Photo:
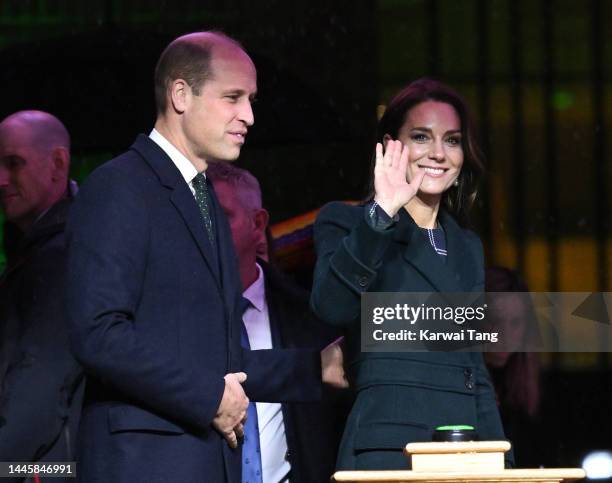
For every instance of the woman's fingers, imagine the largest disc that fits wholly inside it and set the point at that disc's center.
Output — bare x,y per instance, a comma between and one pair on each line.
392,153
379,156
417,180
392,159
402,163
389,150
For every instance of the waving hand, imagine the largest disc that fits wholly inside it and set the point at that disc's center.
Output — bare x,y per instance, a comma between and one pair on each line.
392,189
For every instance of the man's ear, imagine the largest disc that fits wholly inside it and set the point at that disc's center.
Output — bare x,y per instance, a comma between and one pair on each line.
386,139
60,163
179,95
261,219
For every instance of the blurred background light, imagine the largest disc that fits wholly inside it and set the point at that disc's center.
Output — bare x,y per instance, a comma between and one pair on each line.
598,465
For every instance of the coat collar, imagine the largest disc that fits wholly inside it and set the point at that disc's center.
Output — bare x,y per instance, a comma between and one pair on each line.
181,197
458,273
160,162
52,222
49,225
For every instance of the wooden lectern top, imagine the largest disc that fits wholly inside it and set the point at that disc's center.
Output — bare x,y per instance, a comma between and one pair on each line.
541,475
457,447
461,462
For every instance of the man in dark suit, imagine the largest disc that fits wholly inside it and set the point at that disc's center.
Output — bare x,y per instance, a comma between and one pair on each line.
154,291
298,440
41,384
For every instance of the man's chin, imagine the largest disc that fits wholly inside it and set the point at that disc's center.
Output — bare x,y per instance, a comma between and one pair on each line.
226,158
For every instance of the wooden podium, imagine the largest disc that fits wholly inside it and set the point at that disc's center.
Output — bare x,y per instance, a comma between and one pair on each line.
460,462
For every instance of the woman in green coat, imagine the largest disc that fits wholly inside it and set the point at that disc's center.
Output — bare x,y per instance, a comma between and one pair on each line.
408,237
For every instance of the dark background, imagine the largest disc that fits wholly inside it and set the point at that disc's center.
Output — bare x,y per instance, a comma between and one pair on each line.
537,74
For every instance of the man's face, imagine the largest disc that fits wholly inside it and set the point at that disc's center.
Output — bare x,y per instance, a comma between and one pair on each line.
246,233
216,121
26,185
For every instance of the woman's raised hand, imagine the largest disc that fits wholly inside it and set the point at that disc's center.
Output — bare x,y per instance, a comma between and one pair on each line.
392,190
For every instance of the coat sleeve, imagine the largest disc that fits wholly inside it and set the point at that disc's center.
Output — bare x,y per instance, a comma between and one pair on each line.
283,375
349,255
42,376
108,235
300,334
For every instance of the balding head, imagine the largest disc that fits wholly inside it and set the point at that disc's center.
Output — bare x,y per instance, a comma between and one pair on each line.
45,130
189,58
240,197
34,164
244,185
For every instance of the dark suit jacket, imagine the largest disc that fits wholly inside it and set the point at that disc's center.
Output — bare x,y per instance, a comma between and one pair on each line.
154,322
313,429
41,382
401,397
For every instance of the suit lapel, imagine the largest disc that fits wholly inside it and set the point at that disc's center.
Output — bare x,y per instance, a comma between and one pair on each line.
278,331
230,282
461,260
181,197
183,200
416,250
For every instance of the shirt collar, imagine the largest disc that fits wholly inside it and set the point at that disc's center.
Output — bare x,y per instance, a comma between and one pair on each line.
256,292
188,170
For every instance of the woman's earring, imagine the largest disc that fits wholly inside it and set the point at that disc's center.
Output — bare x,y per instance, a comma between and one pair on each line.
456,183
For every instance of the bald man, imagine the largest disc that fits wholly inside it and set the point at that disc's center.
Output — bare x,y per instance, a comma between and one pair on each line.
154,291
41,383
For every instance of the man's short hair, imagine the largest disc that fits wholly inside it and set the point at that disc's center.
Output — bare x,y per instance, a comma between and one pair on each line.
244,183
188,58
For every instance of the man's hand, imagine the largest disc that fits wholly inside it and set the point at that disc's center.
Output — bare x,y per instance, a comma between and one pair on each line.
332,365
232,411
392,189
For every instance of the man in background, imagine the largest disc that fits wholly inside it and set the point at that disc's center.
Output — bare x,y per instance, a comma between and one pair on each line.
41,384
299,441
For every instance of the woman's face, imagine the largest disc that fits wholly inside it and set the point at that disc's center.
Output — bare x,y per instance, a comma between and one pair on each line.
432,131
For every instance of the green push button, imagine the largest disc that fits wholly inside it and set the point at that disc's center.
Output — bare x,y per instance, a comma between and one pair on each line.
455,433
457,427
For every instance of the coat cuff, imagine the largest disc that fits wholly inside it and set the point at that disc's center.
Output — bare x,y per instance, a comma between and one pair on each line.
360,255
